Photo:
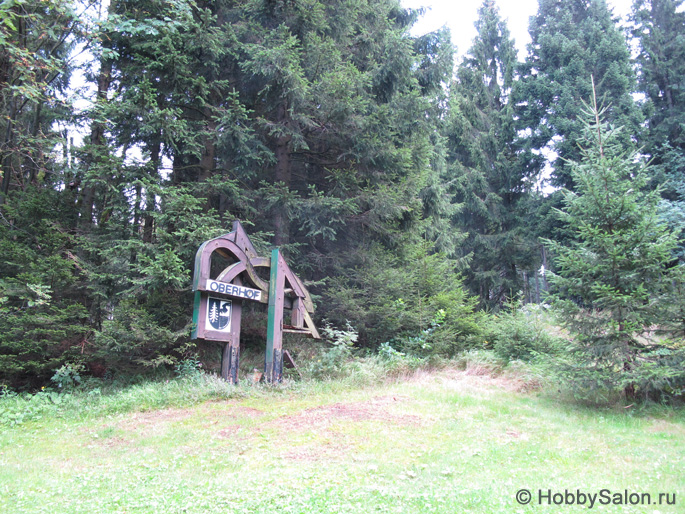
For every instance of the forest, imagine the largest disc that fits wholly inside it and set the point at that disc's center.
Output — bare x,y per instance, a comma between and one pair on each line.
429,203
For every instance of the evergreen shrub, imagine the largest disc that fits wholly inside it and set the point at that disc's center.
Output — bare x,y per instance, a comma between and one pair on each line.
521,333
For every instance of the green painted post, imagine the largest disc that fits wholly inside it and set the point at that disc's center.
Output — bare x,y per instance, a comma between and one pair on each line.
196,314
274,330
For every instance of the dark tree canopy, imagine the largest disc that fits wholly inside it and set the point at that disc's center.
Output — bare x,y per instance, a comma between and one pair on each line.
572,43
133,130
489,184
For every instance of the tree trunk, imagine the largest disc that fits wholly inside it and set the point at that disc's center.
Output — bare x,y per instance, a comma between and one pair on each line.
208,159
150,200
97,131
545,286
6,160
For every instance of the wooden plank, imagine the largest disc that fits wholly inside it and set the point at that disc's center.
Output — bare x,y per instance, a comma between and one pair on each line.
241,238
220,245
216,286
298,288
309,324
301,331
196,315
297,314
232,271
198,270
202,315
289,362
234,344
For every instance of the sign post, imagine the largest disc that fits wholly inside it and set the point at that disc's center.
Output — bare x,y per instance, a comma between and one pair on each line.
273,364
218,300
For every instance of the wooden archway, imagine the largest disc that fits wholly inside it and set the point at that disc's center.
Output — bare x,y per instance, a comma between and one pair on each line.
218,302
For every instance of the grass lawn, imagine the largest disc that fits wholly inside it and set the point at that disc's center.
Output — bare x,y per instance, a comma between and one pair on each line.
445,442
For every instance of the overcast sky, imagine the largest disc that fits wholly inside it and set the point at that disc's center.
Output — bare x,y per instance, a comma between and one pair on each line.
460,15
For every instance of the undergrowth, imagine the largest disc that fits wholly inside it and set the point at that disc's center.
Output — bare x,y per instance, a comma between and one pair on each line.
98,398
518,348
190,384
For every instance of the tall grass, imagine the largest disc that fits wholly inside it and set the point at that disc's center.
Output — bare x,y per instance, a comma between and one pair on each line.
97,397
323,369
106,399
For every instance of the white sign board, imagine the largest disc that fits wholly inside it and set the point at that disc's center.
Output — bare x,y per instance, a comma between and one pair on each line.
233,290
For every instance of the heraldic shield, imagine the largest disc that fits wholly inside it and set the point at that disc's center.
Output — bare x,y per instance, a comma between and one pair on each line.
219,314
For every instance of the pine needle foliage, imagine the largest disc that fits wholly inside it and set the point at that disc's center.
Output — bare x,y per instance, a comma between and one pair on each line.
614,274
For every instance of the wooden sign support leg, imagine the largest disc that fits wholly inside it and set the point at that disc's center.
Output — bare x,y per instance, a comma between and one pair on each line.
230,359
273,366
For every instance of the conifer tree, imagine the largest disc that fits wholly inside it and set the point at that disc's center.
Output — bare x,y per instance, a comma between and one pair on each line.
213,313
489,183
35,41
572,41
614,274
314,122
43,321
660,32
348,107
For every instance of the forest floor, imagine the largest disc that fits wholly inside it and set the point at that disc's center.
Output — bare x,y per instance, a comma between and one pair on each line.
449,441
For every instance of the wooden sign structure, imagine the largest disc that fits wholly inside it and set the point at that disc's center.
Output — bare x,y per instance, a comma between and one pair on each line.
218,300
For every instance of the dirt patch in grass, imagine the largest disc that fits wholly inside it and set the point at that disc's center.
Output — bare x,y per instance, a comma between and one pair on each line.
153,421
159,416
661,426
317,453
114,442
484,379
243,412
511,434
229,408
331,427
229,432
375,409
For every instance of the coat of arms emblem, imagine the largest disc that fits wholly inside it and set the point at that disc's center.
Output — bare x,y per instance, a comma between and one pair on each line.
219,314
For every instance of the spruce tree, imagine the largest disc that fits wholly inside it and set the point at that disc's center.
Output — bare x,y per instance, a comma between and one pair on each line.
660,32
489,185
348,107
613,276
43,318
314,122
35,41
659,27
572,41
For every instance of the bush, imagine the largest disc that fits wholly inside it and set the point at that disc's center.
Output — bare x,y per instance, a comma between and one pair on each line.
43,322
133,339
400,362
480,362
332,359
657,374
522,333
188,368
68,376
392,298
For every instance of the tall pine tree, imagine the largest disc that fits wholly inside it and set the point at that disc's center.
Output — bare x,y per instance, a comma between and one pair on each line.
571,42
615,271
660,33
489,185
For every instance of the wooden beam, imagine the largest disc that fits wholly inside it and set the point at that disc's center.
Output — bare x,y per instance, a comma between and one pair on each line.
231,355
273,365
